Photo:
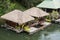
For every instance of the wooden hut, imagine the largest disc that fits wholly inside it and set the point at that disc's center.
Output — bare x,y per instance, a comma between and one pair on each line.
40,14
14,19
49,5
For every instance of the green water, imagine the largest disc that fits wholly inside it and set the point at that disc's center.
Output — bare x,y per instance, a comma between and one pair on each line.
50,33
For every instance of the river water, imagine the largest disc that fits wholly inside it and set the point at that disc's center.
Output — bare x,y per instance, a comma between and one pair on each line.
50,33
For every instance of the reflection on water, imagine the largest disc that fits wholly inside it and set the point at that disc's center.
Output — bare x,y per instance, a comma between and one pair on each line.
50,36
54,36
50,33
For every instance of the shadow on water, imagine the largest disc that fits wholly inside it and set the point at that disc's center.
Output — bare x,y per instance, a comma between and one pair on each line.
10,35
50,33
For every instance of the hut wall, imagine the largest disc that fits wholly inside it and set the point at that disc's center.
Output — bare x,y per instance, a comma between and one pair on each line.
13,24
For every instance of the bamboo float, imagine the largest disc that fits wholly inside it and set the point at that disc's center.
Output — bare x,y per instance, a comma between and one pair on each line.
46,24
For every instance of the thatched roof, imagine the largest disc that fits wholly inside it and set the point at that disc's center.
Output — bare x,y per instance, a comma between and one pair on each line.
36,12
17,16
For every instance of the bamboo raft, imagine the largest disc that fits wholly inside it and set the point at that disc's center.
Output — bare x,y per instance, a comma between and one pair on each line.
34,30
12,28
57,21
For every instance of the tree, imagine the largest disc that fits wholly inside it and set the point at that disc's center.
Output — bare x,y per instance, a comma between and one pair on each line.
3,6
29,3
6,6
54,15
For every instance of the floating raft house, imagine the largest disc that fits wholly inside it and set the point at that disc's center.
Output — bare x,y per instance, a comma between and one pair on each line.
36,12
14,19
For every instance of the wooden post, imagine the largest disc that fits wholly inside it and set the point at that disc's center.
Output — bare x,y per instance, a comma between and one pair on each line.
45,10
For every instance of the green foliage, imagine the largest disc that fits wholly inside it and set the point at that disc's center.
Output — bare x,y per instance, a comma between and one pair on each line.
30,3
54,14
7,5
11,7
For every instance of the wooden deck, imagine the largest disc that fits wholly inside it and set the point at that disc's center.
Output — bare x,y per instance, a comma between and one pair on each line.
34,30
